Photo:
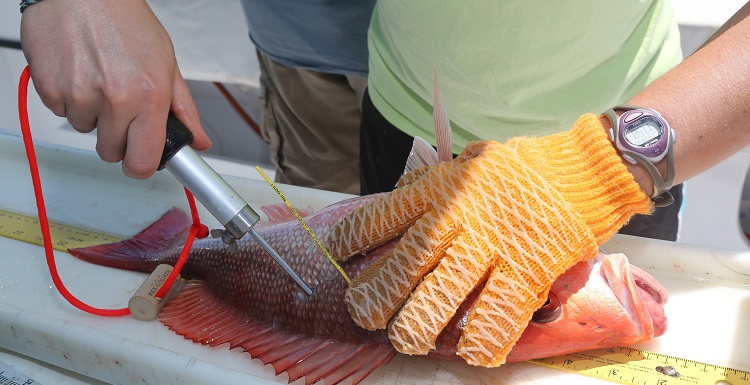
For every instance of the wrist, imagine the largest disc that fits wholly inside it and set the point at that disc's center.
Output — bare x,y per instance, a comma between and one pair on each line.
584,166
640,175
644,138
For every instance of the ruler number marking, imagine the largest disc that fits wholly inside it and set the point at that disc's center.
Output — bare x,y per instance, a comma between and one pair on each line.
26,229
638,367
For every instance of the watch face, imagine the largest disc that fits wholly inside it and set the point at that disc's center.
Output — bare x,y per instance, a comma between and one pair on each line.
644,132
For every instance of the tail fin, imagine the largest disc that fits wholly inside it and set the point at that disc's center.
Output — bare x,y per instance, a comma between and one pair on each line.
138,253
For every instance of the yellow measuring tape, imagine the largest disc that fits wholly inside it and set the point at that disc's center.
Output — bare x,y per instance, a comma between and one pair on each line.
299,218
26,229
639,367
619,365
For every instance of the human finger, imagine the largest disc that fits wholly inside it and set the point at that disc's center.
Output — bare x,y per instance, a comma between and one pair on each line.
82,109
112,131
145,144
386,217
377,293
434,302
184,108
49,92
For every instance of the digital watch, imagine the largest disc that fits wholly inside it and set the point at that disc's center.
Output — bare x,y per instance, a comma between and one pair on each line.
643,137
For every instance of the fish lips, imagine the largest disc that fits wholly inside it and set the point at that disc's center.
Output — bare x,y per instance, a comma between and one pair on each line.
639,293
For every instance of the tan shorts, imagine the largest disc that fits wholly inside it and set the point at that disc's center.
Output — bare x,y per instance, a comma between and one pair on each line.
311,121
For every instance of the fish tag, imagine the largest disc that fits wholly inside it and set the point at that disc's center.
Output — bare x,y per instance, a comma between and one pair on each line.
144,305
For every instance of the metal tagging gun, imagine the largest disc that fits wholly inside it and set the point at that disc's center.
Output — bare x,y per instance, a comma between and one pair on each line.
214,193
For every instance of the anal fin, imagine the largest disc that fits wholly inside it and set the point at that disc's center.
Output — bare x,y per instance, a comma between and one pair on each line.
197,315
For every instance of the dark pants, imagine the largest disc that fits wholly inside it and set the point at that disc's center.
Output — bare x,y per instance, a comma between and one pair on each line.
384,149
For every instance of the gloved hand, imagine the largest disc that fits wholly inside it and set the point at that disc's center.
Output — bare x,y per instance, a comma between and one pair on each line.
512,217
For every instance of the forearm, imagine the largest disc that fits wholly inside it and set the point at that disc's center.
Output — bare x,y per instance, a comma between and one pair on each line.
706,99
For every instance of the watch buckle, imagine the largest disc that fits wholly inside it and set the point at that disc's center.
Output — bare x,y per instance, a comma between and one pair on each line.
663,200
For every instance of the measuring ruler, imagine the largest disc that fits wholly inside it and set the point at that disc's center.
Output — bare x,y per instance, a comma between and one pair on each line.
26,229
10,376
639,367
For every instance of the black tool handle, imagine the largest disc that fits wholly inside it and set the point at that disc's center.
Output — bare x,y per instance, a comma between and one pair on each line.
177,136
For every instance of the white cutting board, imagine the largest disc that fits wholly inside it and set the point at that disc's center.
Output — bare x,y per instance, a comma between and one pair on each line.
708,311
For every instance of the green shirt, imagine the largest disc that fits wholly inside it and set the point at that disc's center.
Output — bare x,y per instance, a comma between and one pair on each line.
514,67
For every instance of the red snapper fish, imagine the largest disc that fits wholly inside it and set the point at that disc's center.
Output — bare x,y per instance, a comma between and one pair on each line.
245,299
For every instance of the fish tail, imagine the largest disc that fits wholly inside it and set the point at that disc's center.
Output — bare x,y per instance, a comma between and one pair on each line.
145,250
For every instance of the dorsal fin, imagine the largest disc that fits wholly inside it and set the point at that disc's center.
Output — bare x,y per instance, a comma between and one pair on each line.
281,213
198,315
422,153
442,124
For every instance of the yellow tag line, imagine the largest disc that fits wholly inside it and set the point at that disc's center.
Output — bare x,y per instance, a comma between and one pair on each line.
26,229
639,367
299,218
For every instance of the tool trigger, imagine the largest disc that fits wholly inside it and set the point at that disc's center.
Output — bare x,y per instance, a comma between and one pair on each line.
226,237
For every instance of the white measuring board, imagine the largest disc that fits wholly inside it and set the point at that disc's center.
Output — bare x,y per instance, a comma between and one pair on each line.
709,309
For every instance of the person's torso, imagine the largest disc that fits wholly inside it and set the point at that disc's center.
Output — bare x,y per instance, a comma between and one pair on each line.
323,35
514,67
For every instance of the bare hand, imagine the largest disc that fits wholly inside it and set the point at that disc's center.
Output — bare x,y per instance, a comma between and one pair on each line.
110,65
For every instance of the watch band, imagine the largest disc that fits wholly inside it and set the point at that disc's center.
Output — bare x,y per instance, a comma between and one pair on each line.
660,195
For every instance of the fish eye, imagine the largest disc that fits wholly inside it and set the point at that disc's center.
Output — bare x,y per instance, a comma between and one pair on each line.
549,312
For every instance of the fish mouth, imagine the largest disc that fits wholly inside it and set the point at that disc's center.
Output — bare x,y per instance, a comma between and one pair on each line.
640,294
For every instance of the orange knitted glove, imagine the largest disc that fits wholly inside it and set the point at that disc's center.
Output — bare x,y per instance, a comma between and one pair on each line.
510,216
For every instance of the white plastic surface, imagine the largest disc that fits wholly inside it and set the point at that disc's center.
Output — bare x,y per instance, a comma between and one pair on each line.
709,308
711,213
